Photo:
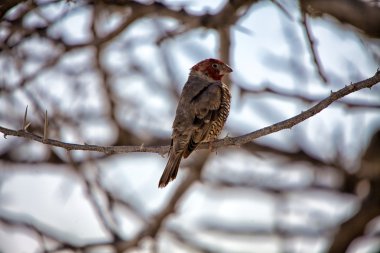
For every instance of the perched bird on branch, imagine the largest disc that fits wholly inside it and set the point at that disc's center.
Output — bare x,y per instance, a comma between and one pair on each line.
201,113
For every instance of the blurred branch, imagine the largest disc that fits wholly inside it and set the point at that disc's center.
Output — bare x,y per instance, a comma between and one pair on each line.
365,183
312,46
169,208
92,190
29,223
228,15
236,141
66,242
361,14
281,7
356,225
225,49
276,91
6,5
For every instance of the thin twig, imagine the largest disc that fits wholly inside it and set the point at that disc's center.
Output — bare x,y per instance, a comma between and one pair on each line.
308,99
283,9
46,123
312,46
170,208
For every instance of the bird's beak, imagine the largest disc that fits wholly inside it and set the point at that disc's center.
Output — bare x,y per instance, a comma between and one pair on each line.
226,69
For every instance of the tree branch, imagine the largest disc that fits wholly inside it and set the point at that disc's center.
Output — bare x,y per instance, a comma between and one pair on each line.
312,45
6,5
228,15
364,15
353,104
158,220
356,225
228,141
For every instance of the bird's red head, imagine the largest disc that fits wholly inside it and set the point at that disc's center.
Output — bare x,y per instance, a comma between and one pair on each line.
211,69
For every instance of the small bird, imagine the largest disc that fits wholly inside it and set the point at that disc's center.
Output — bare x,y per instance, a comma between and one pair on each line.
202,110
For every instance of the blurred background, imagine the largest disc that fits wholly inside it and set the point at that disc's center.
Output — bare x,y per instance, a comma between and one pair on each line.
110,73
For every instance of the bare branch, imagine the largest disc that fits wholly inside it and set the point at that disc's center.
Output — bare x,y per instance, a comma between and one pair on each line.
289,123
312,46
7,5
356,225
354,103
283,9
364,15
236,141
170,207
88,65
228,15
225,48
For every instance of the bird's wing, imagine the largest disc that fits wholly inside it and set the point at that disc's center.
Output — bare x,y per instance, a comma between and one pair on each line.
207,99
206,104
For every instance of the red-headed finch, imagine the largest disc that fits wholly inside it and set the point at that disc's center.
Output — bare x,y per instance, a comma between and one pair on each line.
202,110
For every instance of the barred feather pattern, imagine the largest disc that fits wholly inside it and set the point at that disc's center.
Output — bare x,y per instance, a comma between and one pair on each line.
217,125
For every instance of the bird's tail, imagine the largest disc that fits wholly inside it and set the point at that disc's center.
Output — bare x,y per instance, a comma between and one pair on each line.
171,169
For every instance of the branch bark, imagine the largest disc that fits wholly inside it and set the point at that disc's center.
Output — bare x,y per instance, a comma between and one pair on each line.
228,141
361,14
356,225
228,15
6,5
312,46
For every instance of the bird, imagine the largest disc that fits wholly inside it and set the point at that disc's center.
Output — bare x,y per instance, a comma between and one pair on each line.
202,110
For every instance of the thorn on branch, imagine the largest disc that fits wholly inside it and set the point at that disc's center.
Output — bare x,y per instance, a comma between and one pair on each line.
26,127
25,114
24,124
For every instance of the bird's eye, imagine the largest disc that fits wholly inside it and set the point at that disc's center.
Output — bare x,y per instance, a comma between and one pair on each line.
215,66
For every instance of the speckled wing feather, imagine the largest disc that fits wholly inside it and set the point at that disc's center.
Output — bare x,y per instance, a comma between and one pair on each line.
206,105
221,114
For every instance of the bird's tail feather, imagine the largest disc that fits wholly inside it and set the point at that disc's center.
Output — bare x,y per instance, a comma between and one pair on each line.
171,169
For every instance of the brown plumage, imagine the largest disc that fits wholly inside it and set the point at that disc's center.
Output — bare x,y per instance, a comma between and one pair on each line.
201,113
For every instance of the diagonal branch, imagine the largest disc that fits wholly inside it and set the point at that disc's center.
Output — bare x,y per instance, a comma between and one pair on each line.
312,45
170,208
363,103
289,123
228,141
6,5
